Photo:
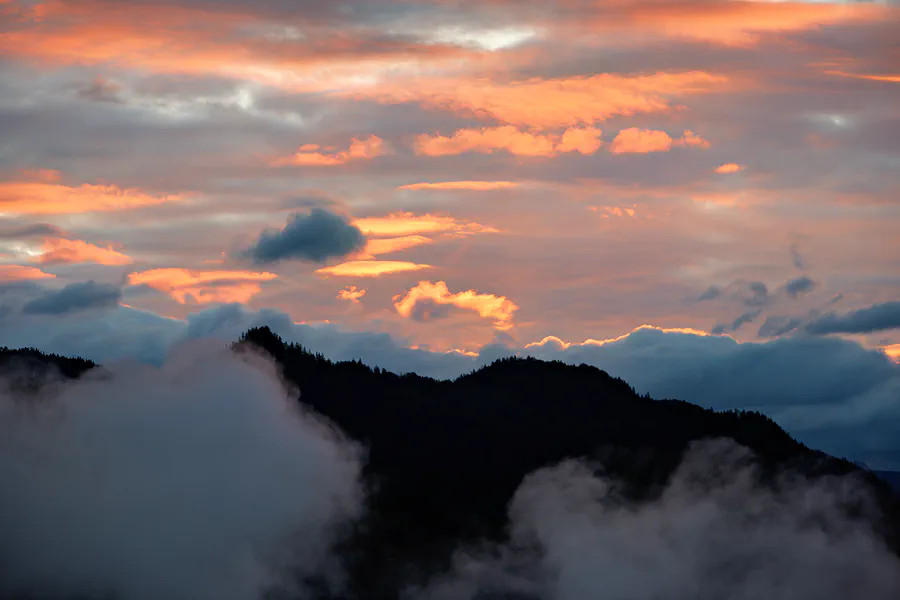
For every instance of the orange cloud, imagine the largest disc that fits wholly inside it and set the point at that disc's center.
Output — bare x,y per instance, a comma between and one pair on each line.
549,103
78,251
203,287
733,22
405,224
521,143
640,141
869,77
45,175
33,198
231,42
10,273
371,268
480,186
730,168
691,139
585,140
488,306
892,352
359,150
643,141
351,293
376,247
614,211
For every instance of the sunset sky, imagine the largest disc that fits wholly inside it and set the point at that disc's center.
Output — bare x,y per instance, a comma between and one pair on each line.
447,181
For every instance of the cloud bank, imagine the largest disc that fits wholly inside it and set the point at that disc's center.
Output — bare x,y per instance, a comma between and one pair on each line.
714,533
196,480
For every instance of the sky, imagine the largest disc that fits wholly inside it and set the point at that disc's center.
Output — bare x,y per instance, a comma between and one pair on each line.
699,195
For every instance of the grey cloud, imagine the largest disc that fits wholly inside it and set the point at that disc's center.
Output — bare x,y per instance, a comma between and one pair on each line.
777,325
800,285
749,293
29,231
757,293
878,317
208,472
316,236
428,310
739,322
797,258
711,293
101,90
74,297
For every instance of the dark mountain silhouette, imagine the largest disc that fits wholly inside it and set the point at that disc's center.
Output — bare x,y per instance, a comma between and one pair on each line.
445,457
892,478
26,369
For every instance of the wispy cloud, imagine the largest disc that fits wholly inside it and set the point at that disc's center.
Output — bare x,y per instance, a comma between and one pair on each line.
10,273
61,250
479,186
371,268
36,198
203,287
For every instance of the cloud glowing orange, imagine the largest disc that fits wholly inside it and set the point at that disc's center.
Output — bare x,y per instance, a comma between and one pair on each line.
488,306
521,143
203,287
731,22
78,251
307,155
405,224
10,273
351,293
371,268
730,168
643,141
480,186
376,247
551,103
34,198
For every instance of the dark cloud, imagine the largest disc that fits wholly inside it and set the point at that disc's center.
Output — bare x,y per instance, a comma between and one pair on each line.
749,293
711,293
757,293
427,310
797,258
739,322
776,326
29,231
800,285
315,236
75,297
101,90
878,317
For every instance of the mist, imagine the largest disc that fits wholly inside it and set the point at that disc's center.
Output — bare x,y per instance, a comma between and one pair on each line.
714,533
201,479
